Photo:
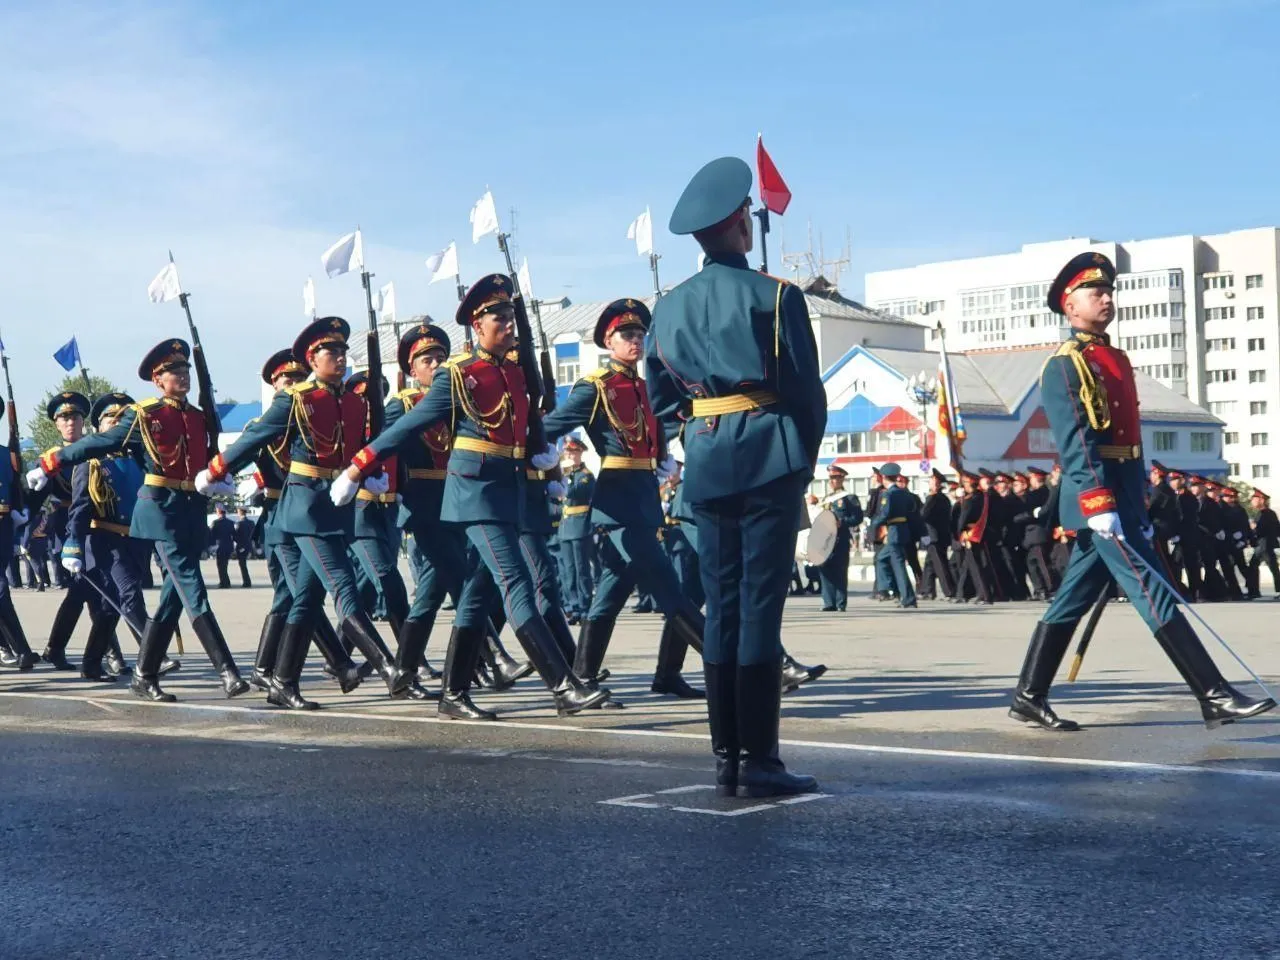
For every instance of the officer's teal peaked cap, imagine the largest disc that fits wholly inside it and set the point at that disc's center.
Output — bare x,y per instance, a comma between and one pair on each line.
716,192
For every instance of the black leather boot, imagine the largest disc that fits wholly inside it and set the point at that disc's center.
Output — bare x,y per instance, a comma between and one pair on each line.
722,712
794,673
563,635
219,654
264,660
282,689
364,636
571,694
593,644
100,632
7,657
151,651
1030,704
64,624
14,636
759,706
671,653
114,658
459,666
1220,703
337,662
504,669
411,643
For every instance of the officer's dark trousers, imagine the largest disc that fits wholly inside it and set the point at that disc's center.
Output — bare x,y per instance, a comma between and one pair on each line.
936,575
745,546
243,560
684,559
579,582
631,556
891,568
1267,556
115,565
542,567
224,561
835,576
378,559
1039,570
282,579
439,556
183,587
501,569
323,568
974,575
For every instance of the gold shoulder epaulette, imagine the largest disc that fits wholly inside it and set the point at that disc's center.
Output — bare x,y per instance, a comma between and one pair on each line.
597,375
406,393
458,358
148,403
306,386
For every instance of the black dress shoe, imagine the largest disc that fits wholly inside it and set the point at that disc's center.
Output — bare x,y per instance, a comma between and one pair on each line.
97,676
149,689
828,609
288,696
1225,705
1036,709
428,672
115,666
168,666
571,699
458,706
57,658
232,684
677,686
260,679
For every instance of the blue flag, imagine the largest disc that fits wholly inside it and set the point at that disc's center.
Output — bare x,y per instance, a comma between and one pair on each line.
68,355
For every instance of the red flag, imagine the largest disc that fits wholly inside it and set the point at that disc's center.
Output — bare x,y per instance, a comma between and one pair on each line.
773,189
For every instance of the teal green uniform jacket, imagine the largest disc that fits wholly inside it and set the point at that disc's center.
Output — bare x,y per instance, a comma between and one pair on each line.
897,513
729,330
579,484
421,498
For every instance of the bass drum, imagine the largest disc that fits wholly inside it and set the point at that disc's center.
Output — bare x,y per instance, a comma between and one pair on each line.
822,538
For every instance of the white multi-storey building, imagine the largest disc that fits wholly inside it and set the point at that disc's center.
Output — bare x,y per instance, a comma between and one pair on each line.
1199,314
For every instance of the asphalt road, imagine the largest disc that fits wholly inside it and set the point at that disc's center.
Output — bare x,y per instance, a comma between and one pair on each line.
500,844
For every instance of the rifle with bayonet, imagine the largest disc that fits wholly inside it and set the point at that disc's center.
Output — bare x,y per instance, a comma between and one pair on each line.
373,392
540,377
17,495
204,382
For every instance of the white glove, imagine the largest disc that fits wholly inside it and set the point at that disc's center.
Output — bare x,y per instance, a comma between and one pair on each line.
1107,525
214,488
1220,535
73,565
19,517
667,467
548,459
247,488
1173,540
1036,512
378,485
1149,532
343,489
1238,535
556,490
37,478
926,540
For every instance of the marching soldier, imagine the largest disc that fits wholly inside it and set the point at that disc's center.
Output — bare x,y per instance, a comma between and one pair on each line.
1091,401
1186,552
1162,509
896,519
612,405
971,529
320,423
576,544
1235,523
731,355
1216,553
67,410
35,541
1266,530
485,398
222,538
15,652
845,507
1036,537
168,436
936,515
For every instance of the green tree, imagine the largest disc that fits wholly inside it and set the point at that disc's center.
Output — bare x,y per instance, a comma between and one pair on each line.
40,429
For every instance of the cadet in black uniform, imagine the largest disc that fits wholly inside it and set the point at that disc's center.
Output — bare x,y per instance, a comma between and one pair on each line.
936,514
1266,532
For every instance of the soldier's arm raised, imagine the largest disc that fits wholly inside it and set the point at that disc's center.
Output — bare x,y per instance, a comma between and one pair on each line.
268,428
575,412
435,407
119,438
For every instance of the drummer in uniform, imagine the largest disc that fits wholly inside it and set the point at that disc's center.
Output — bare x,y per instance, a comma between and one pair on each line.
845,509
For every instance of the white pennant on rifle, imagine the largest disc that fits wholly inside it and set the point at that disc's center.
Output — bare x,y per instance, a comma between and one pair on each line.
387,303
484,218
641,231
309,298
344,256
444,264
165,286
524,281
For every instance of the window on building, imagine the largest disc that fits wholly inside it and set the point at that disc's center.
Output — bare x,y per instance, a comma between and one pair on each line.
1254,313
1040,440
1256,344
1178,341
1233,469
1220,343
1220,313
567,370
1257,376
1222,281
1257,440
1220,376
1230,437
1261,471
1201,442
1166,441
1258,408
1175,278
1253,281
1179,371
1221,407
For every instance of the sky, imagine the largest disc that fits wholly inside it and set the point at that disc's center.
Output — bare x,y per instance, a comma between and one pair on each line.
246,137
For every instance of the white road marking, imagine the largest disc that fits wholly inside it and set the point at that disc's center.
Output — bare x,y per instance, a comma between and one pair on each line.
263,713
633,801
696,788
735,812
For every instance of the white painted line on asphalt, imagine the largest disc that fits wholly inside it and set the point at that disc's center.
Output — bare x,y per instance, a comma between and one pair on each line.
803,798
634,801
260,713
696,788
736,812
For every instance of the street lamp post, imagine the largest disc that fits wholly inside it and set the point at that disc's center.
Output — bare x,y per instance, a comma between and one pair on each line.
923,389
